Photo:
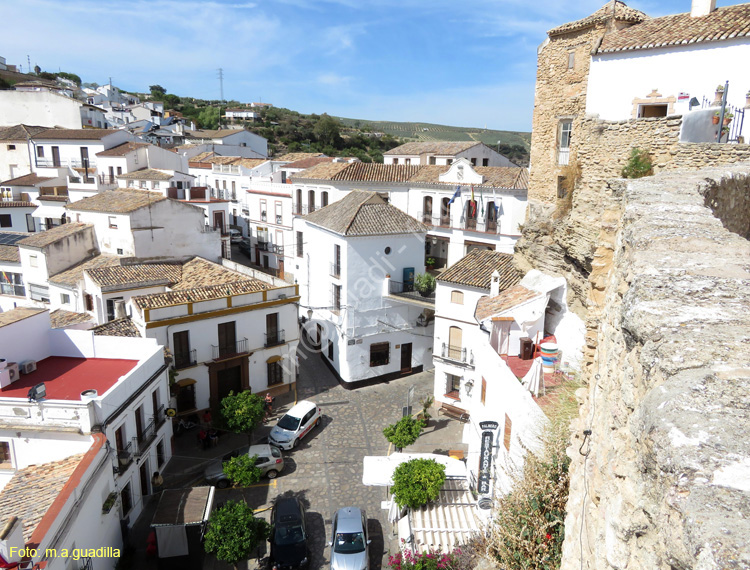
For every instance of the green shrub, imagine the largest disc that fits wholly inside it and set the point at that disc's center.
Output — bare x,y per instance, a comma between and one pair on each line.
424,283
241,470
639,164
417,482
242,412
234,533
404,432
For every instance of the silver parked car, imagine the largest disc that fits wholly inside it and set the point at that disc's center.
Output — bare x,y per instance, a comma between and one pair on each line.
349,542
269,461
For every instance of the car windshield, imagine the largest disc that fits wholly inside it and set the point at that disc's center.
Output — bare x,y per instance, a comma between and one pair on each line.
349,542
289,423
288,534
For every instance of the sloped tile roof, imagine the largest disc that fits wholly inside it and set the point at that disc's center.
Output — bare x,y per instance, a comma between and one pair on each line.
209,134
74,134
74,275
679,29
362,213
15,315
17,204
199,272
122,149
250,162
295,156
141,274
26,180
309,162
60,318
476,268
488,306
9,253
31,491
373,172
45,238
623,13
118,327
323,171
494,176
120,201
433,147
147,174
19,132
208,293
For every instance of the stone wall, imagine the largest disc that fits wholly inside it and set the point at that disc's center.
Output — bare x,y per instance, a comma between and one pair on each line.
663,480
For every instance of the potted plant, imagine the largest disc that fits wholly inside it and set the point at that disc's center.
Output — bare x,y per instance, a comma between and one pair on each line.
425,284
715,119
728,116
424,415
109,502
430,263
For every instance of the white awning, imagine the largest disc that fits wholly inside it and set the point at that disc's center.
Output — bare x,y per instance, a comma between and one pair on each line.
49,211
378,470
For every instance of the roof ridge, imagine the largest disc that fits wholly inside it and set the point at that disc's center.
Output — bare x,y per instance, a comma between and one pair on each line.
367,200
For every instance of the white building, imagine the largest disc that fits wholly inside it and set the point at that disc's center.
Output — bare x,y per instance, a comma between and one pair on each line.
77,461
15,158
346,254
444,153
48,109
465,207
230,142
242,115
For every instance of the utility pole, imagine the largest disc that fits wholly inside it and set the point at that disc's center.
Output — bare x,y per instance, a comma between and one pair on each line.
221,83
28,58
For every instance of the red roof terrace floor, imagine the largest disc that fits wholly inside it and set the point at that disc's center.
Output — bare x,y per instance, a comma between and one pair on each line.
552,380
65,378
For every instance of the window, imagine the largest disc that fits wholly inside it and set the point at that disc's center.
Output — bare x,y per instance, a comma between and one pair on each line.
380,353
561,187
279,212
449,161
274,336
432,160
299,201
12,284
119,170
6,462
11,147
457,297
275,373
30,226
120,251
127,499
571,59
300,244
181,347
88,302
650,111
455,343
154,185
39,293
485,162
112,308
160,456
5,221
40,152
407,161
506,434
336,299
563,142
453,385
330,350
395,161
310,201
112,222
227,338
323,199
473,161
336,265
64,298
143,184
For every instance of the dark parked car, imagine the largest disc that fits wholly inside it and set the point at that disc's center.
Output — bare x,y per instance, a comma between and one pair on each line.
288,536
245,247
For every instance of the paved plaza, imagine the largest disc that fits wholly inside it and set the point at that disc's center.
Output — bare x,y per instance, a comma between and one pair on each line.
325,470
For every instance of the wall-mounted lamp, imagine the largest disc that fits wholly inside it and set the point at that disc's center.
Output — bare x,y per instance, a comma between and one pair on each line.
309,314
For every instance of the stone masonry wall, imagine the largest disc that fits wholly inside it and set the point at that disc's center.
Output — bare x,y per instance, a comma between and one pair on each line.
663,480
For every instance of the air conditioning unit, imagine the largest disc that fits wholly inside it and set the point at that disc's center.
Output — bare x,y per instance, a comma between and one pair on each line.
9,374
28,366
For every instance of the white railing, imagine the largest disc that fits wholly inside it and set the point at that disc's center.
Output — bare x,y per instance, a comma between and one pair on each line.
563,156
225,169
47,414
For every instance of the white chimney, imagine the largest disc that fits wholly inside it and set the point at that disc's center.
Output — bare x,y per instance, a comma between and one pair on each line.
495,284
702,8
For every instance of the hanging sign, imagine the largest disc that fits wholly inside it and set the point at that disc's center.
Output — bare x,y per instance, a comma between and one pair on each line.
485,463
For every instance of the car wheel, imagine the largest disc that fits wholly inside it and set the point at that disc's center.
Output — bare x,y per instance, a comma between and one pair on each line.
317,422
222,484
296,443
272,474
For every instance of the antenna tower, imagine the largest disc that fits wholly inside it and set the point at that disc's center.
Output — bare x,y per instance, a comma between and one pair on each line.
221,83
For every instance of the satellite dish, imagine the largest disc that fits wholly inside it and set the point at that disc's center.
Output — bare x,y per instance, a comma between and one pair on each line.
38,392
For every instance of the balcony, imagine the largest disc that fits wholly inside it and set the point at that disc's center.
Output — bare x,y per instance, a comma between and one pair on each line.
275,339
230,350
272,248
144,439
457,354
336,270
185,359
300,210
426,217
563,156
471,223
124,458
160,417
406,292
107,180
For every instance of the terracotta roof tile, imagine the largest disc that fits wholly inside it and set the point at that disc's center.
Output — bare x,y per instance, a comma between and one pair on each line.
19,132
295,156
323,171
45,238
147,174
15,315
120,201
723,23
122,149
488,306
27,180
199,272
142,275
17,204
60,318
372,172
32,490
362,213
74,275
309,162
209,134
449,148
9,253
623,13
199,294
74,134
476,268
118,327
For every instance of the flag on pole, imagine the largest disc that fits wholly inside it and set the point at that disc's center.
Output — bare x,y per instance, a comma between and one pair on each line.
481,201
457,194
473,204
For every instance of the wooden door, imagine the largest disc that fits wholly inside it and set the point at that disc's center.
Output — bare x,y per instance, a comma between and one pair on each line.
454,342
143,471
139,423
181,344
55,156
227,338
219,221
272,328
228,380
406,357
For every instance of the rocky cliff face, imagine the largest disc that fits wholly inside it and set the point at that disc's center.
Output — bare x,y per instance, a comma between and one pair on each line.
663,480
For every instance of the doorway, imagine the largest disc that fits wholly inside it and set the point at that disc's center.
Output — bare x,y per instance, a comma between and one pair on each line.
406,358
144,478
228,380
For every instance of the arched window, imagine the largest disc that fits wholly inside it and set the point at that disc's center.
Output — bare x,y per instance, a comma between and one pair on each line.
427,210
455,343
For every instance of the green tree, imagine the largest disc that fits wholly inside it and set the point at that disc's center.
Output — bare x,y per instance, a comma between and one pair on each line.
157,91
242,471
327,130
72,76
639,164
404,432
234,532
208,118
242,412
417,482
37,69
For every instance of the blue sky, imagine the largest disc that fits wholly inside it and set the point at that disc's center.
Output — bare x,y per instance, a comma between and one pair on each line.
470,63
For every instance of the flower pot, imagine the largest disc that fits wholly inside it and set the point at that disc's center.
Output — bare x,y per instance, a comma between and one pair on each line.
715,120
727,120
424,292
